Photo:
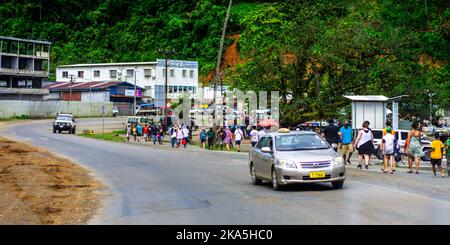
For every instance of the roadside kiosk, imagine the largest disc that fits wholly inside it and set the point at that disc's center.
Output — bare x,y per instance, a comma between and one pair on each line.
370,108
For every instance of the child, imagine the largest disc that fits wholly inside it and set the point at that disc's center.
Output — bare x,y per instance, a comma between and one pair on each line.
387,148
436,154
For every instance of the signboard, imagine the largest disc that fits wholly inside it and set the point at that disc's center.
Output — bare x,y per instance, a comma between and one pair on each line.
395,115
177,63
130,93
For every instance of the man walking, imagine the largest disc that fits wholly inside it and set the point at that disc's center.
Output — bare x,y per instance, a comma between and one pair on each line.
238,135
330,133
346,139
211,138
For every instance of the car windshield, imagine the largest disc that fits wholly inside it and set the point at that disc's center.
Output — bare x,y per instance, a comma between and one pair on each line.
64,118
296,142
132,120
377,134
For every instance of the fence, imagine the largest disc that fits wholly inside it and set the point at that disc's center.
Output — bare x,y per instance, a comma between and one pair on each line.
49,109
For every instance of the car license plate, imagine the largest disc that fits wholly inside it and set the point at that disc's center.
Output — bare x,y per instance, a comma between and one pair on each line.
317,175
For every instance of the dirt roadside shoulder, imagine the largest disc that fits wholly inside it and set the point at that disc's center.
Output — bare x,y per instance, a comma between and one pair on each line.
37,187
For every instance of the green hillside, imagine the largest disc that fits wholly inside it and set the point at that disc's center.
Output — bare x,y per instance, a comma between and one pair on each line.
313,50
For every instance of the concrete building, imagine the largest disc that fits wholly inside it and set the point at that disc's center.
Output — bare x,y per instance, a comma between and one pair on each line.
182,77
24,64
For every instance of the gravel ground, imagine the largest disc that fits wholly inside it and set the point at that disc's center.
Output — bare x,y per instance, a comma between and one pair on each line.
36,187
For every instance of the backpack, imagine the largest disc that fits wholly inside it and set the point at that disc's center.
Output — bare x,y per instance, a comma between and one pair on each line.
203,135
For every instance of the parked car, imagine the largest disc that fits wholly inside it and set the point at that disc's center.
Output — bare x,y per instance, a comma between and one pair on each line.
64,122
289,157
401,136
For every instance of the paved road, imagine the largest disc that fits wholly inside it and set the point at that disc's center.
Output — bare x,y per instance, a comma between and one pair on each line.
160,186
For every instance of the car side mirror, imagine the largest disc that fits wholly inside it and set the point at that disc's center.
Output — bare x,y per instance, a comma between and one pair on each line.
266,149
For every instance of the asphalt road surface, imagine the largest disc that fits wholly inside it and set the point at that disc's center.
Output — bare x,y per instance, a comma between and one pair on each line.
149,185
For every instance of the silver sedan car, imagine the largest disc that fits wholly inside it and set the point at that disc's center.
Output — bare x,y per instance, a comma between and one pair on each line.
286,157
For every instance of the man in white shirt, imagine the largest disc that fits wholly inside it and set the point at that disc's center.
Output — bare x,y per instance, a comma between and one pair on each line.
254,135
238,135
185,135
261,133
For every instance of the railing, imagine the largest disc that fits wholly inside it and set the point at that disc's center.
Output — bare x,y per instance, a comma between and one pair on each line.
37,56
35,91
23,72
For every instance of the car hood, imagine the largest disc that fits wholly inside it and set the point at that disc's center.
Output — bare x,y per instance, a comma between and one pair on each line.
308,155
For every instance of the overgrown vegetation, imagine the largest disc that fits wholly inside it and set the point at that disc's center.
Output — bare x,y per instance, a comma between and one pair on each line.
313,52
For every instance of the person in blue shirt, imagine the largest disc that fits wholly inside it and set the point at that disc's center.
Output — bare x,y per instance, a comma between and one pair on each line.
346,137
139,132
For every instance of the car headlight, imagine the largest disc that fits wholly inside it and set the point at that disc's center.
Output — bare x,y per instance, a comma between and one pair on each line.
287,164
338,162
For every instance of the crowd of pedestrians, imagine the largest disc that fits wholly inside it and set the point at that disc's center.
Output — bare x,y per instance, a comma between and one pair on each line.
343,138
229,137
147,132
340,136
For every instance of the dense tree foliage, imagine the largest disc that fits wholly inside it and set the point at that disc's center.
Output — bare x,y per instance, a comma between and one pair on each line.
312,51
315,52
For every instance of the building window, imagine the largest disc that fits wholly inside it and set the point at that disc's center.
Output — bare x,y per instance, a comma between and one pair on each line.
81,74
130,72
3,84
175,89
172,72
112,73
147,72
22,83
184,73
191,73
97,73
164,72
65,74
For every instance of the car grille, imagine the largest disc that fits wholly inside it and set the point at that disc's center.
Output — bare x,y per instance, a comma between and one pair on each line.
308,178
322,164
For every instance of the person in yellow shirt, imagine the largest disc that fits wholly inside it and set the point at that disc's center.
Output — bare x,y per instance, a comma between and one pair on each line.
436,154
388,125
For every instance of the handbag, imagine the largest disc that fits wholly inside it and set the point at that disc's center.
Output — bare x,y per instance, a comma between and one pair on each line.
183,141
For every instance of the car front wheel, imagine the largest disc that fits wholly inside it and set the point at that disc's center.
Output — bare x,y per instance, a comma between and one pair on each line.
337,184
275,185
255,179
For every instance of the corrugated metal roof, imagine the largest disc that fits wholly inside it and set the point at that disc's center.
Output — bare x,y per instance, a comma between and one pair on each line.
86,85
373,98
108,64
25,40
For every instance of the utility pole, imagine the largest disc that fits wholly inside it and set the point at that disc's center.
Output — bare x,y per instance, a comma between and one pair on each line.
166,90
70,89
134,102
219,56
430,95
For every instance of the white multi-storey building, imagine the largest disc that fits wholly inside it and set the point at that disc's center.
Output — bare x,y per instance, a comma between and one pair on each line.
182,76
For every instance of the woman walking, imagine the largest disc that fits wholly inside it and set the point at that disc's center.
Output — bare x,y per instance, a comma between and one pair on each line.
179,136
364,145
220,137
414,148
227,138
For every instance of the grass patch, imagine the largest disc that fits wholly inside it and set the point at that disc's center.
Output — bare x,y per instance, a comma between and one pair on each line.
114,136
14,118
